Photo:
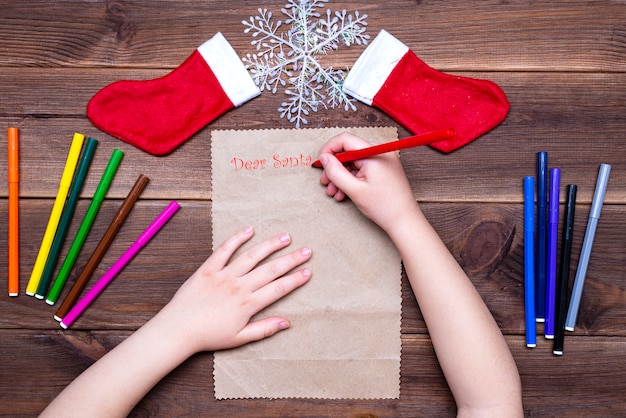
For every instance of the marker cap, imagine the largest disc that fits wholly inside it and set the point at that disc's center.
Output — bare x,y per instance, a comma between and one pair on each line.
598,198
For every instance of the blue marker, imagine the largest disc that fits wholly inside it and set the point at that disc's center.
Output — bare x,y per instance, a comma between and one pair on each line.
529,260
542,236
553,230
585,252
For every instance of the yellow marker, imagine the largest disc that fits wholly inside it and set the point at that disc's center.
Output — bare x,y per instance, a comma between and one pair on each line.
55,215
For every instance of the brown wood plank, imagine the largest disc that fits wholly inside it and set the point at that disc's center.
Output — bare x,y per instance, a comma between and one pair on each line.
189,389
580,126
142,288
44,144
549,112
486,239
562,65
562,35
585,381
29,380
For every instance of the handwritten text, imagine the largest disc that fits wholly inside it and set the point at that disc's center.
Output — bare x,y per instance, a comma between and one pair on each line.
277,162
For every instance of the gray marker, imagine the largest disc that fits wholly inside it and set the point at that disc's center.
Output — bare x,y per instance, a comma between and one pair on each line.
585,252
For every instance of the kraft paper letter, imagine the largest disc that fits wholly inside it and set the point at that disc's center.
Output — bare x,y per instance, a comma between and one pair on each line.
344,339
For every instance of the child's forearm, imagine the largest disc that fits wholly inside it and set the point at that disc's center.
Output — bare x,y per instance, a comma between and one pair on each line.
113,385
211,311
469,345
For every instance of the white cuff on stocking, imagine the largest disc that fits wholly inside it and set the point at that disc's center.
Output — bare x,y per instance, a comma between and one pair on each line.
373,67
228,69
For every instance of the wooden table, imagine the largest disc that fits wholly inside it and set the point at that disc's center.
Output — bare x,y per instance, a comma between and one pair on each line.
562,65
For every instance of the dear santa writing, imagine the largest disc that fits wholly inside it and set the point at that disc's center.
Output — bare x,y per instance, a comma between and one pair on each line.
277,162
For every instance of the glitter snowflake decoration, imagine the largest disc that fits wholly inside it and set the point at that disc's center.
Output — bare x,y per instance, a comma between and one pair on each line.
289,59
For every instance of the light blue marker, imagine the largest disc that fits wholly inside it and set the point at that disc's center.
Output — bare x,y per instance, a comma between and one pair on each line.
585,253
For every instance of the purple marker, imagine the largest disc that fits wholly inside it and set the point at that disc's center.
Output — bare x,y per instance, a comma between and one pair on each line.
553,230
116,268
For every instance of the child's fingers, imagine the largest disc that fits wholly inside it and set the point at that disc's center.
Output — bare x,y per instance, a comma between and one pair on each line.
249,259
279,288
331,189
263,328
334,192
225,251
276,268
338,179
344,142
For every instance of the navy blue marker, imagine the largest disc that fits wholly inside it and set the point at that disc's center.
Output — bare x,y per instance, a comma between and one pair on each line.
542,236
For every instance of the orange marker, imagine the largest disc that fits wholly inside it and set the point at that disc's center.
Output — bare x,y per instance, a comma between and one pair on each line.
14,267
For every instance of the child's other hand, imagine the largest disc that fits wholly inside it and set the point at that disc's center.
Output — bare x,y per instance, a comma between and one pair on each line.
212,309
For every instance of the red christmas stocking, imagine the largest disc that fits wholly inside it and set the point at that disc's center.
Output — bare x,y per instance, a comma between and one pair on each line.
392,78
158,115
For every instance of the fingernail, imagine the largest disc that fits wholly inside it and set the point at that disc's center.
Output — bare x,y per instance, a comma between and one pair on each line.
323,159
306,272
306,251
248,230
285,238
283,325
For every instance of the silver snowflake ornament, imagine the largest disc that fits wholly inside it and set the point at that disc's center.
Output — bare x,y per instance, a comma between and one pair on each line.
289,59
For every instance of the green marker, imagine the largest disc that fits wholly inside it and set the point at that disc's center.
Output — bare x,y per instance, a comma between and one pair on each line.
66,217
85,226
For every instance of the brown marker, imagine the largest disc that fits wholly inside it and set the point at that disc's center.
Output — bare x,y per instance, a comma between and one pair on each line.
103,246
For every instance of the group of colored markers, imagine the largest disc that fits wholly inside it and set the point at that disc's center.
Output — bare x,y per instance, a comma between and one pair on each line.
40,284
546,289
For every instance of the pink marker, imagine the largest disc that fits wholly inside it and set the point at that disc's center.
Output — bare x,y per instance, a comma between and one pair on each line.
116,268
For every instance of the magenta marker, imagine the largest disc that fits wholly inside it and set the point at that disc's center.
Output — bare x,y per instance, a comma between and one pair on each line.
553,230
116,268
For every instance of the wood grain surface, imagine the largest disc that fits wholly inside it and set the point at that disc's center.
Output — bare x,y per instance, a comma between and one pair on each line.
562,65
